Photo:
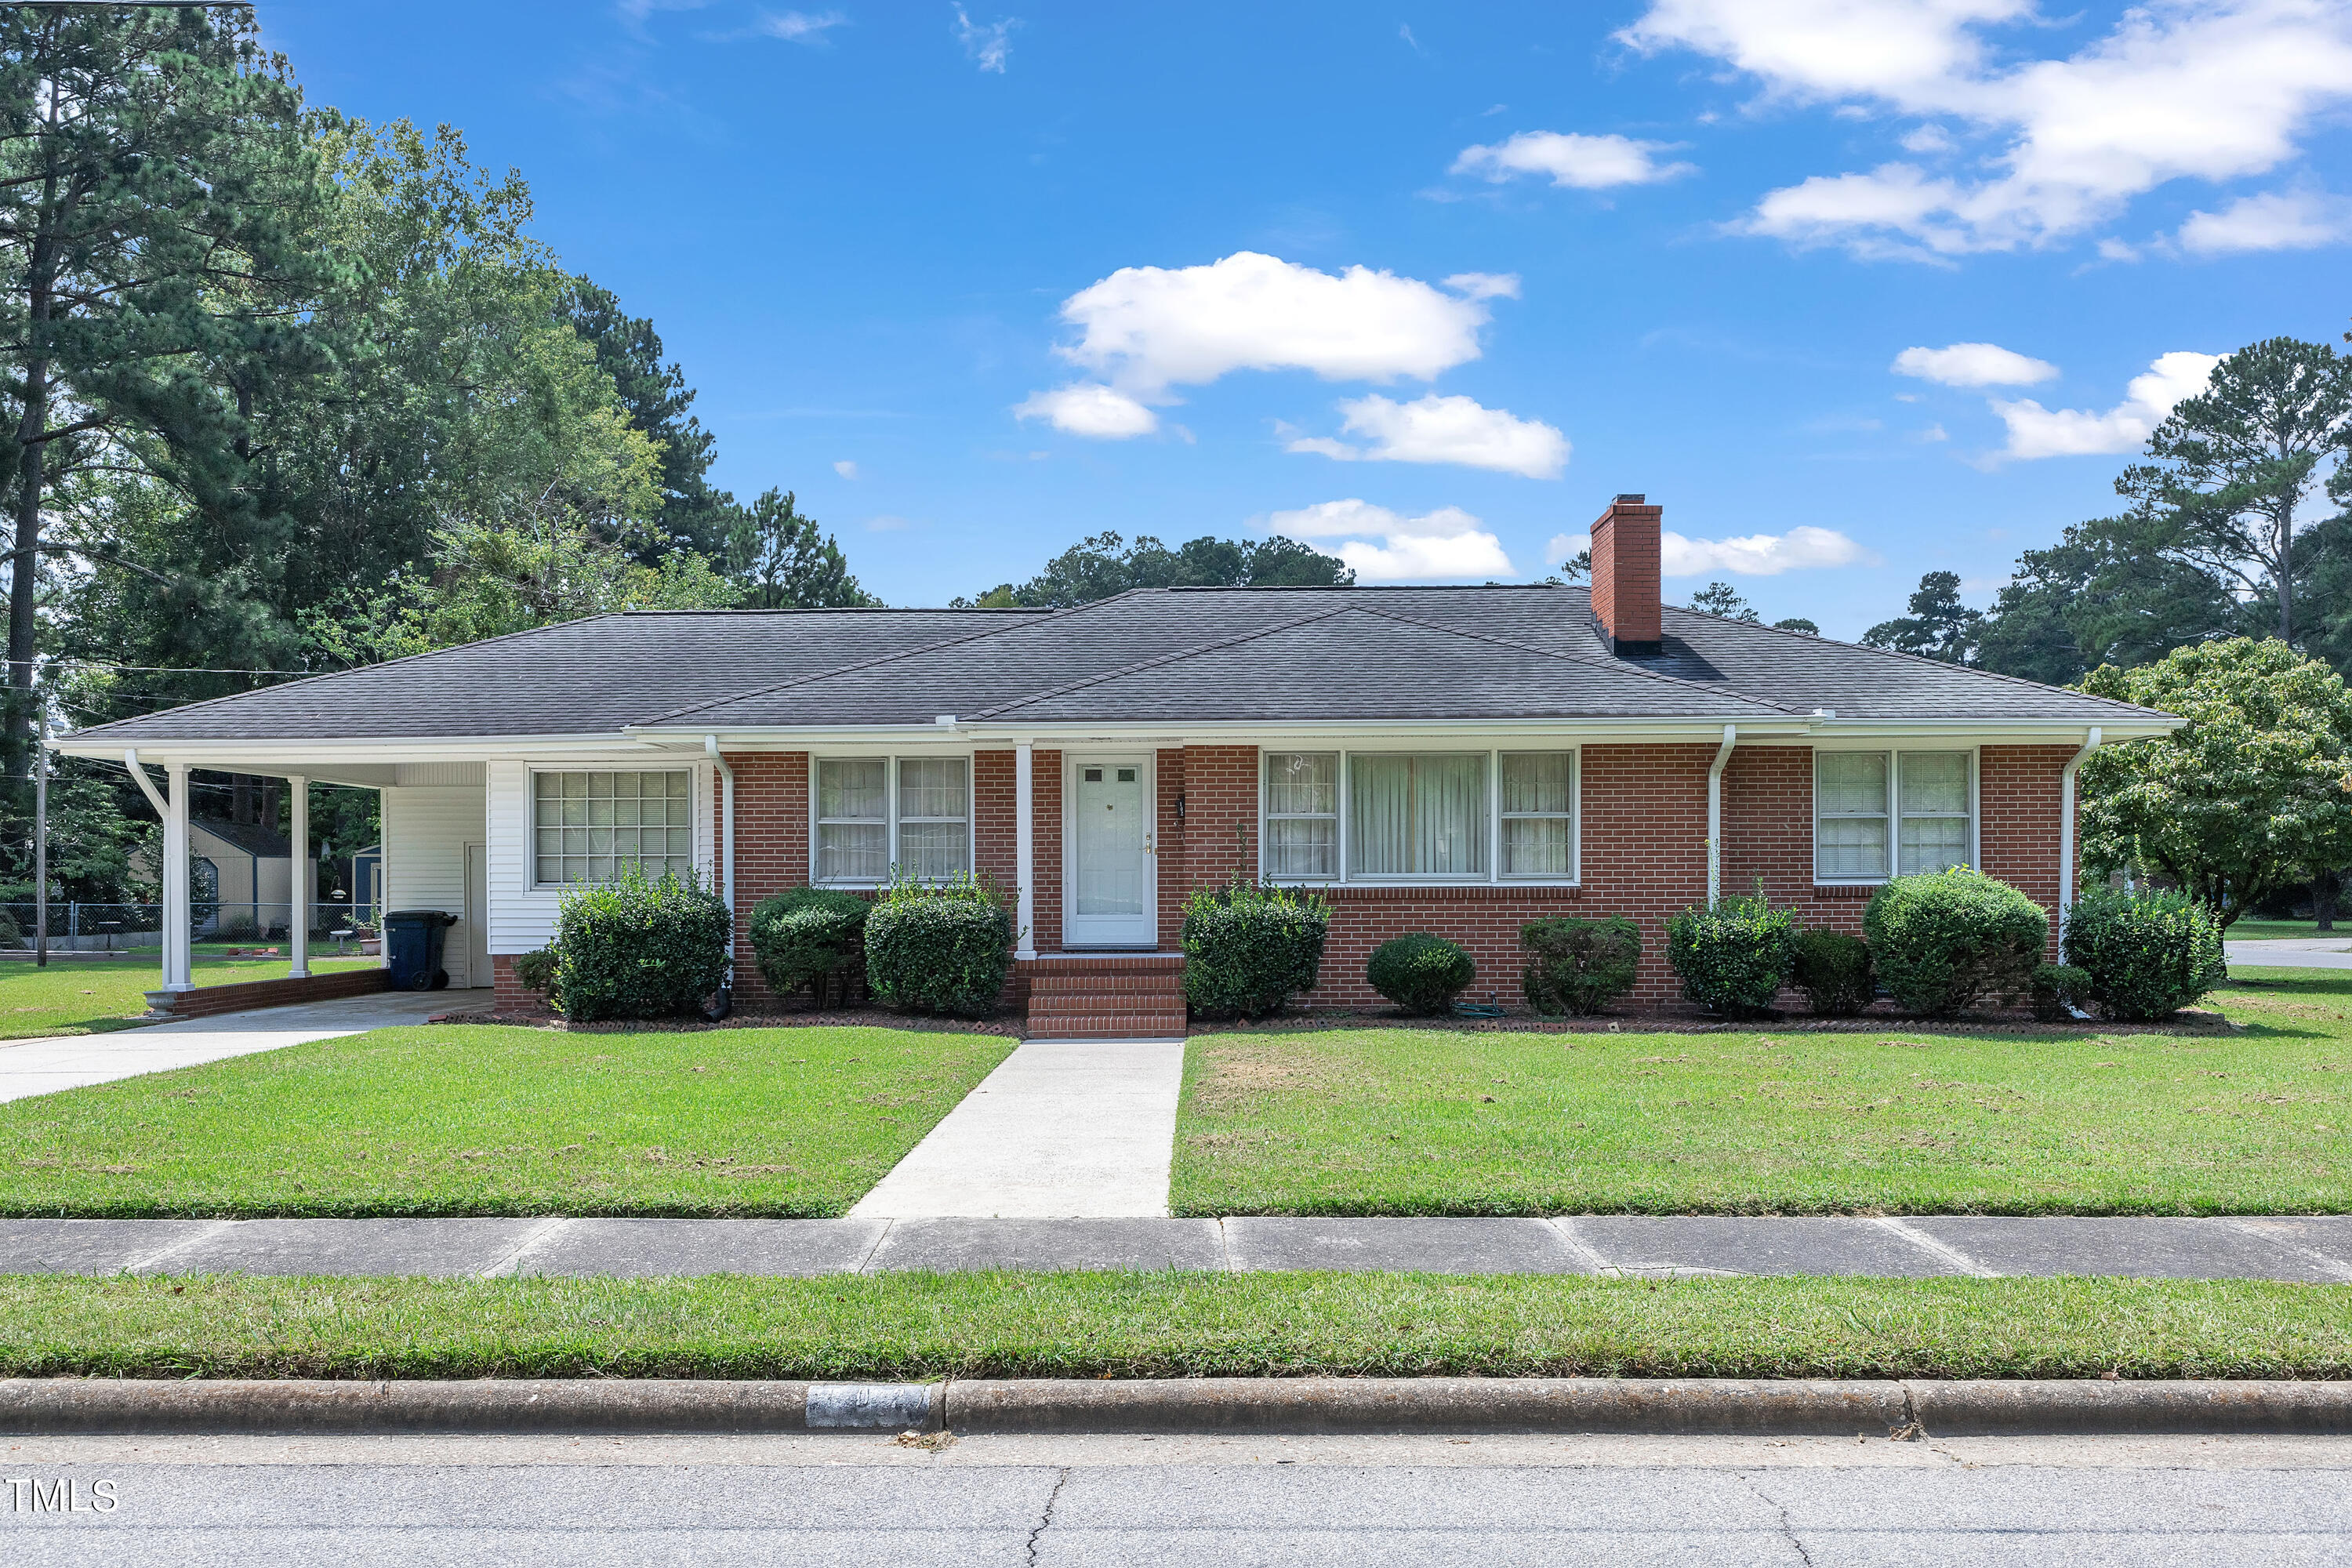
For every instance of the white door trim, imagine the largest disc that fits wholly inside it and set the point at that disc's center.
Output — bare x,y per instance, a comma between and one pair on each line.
1147,939
475,922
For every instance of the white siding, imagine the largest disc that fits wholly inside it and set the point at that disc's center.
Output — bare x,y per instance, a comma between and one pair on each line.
425,831
522,916
469,774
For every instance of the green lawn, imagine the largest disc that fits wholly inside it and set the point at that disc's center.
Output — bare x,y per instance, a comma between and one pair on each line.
92,995
473,1120
1406,1121
2256,931
916,1326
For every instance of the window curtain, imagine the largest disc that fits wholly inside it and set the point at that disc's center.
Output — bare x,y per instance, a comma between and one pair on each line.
853,836
1417,816
1850,798
938,788
1302,802
1934,790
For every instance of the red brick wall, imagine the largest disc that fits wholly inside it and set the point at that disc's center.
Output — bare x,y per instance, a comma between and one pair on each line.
772,849
2017,793
236,996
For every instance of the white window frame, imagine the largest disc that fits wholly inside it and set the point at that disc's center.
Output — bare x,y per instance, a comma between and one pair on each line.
1337,815
891,819
532,776
1894,817
1493,876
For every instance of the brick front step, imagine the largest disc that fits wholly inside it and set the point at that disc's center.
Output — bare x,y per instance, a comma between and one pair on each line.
1108,1027
1105,996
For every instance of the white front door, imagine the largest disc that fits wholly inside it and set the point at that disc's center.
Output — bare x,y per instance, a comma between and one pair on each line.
1114,892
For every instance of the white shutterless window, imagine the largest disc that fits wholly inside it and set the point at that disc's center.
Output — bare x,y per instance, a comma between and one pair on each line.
1877,814
874,812
591,825
1417,814
1932,810
1538,811
1302,815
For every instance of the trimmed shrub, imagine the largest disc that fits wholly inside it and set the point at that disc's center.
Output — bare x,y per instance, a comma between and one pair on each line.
1248,950
1733,957
1835,971
2147,954
1420,974
1579,966
810,936
636,949
535,971
236,928
1949,940
2057,989
940,947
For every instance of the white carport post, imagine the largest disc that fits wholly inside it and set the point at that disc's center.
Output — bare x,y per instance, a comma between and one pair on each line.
298,887
178,969
1024,839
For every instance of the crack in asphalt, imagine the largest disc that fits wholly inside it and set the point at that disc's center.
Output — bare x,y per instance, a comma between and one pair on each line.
1046,1519
1788,1530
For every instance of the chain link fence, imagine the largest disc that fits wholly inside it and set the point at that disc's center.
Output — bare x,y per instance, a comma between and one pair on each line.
96,928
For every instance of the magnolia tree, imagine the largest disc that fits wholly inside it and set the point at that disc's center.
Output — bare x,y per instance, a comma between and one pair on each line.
2250,796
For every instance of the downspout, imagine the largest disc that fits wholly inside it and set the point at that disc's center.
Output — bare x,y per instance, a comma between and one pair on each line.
726,850
1714,815
2066,827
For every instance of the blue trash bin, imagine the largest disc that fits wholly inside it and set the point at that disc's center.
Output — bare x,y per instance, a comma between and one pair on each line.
411,948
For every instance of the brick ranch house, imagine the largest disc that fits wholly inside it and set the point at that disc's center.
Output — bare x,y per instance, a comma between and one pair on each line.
1450,760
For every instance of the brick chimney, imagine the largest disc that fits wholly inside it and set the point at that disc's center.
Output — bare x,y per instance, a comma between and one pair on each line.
1625,574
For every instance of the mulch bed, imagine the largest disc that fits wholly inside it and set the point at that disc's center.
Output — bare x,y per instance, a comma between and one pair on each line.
848,1017
1878,1019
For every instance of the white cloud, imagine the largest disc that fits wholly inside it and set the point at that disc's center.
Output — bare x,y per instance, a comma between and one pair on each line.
1089,408
989,44
2302,220
846,468
1446,544
885,522
1434,429
1147,329
1759,554
1573,161
800,27
2038,432
1484,285
1973,364
2206,90
1928,140
1566,547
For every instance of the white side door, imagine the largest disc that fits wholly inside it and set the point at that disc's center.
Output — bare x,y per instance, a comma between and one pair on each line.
470,965
1113,883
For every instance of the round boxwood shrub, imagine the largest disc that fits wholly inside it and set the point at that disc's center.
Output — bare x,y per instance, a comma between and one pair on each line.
1248,950
940,947
2058,989
535,969
1949,940
1734,957
1420,974
810,936
1835,971
636,949
1579,966
2147,954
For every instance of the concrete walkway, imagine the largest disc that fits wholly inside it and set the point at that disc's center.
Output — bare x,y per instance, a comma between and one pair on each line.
47,1065
2310,1249
1061,1129
2293,952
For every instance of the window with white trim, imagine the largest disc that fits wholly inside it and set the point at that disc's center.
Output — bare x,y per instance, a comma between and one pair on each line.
591,825
874,812
1408,816
1877,814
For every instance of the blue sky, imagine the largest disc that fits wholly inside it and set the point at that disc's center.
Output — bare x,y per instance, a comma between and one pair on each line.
1422,285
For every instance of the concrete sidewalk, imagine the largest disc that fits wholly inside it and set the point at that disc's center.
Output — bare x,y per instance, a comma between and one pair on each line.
2311,1249
2292,951
1061,1129
47,1065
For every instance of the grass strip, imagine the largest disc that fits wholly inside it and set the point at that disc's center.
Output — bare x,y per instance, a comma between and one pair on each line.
472,1120
916,1326
1906,1117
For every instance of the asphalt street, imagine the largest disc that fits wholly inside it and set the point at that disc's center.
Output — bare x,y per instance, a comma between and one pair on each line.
1174,1501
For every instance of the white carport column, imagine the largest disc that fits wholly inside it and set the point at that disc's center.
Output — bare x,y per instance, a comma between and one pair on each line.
179,968
299,878
1024,839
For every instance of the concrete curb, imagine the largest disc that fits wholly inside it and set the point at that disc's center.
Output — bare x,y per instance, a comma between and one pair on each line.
1739,1406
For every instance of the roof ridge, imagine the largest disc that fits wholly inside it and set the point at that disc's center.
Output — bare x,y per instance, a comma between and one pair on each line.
1084,681
1580,658
881,658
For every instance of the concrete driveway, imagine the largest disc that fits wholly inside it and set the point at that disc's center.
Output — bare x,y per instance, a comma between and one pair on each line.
73,1061
2294,952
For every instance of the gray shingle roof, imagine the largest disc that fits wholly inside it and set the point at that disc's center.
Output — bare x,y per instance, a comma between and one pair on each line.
1200,656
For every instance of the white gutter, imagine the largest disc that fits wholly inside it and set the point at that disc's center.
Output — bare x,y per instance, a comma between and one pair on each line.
2066,826
1714,815
726,836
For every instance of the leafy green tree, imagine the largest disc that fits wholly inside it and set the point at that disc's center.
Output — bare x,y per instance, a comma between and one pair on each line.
782,560
1104,565
692,515
2103,594
1797,624
2247,798
1939,626
156,193
1723,599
